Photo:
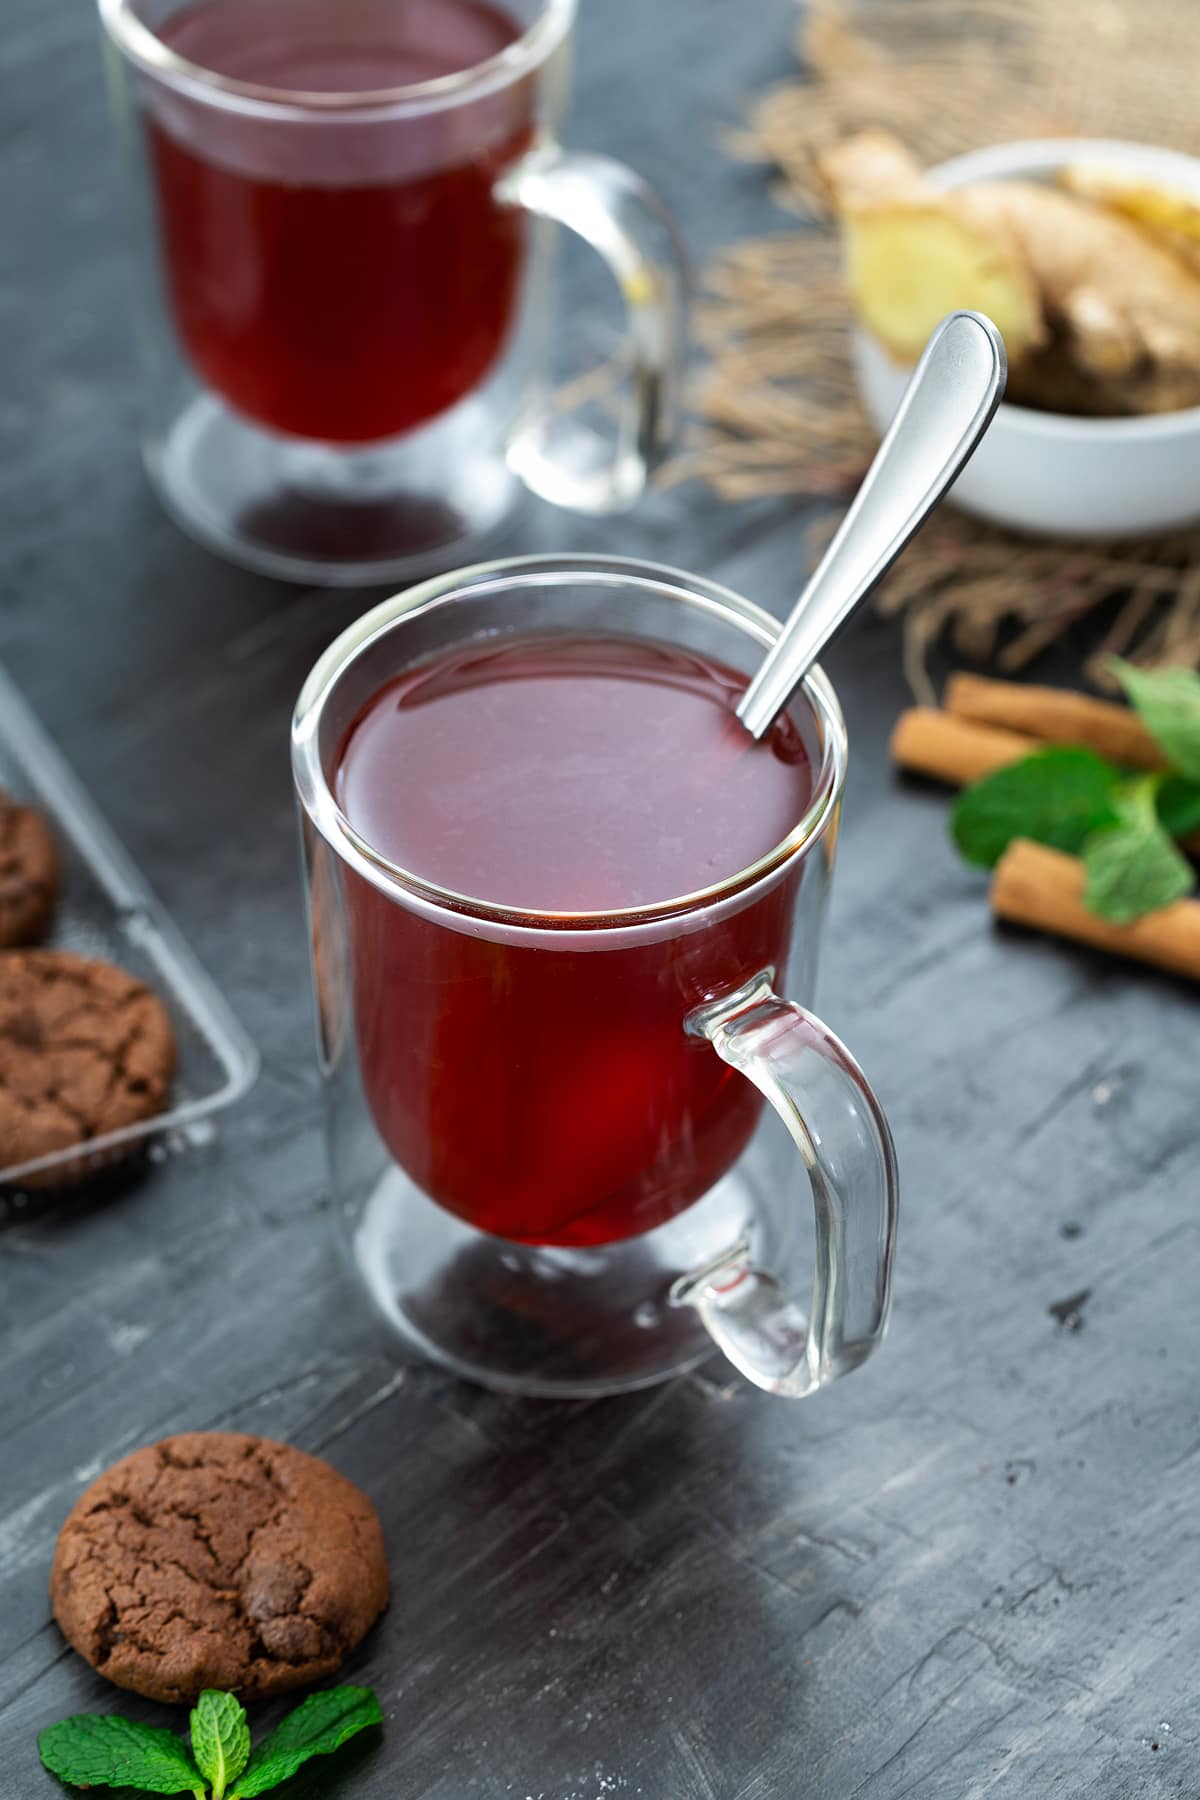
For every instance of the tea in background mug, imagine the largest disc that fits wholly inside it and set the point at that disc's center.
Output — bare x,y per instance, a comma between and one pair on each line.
549,1137
346,213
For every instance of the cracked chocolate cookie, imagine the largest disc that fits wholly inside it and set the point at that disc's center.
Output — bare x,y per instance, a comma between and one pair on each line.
29,873
84,1049
214,1560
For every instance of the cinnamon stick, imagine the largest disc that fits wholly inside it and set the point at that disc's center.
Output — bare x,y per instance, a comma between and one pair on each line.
954,750
1056,716
1043,888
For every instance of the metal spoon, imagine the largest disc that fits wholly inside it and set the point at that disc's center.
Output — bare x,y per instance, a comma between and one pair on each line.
947,407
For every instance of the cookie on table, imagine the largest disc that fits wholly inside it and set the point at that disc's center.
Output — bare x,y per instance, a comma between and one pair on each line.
84,1049
214,1560
29,873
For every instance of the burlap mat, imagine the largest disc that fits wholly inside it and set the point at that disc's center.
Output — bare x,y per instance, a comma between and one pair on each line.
777,408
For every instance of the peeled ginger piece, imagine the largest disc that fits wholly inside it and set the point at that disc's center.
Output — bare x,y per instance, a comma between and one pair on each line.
911,257
908,266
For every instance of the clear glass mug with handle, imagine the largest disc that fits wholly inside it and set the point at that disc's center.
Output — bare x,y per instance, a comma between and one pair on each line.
346,212
459,1038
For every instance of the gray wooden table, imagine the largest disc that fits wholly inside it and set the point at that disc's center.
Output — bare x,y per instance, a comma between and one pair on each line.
971,1569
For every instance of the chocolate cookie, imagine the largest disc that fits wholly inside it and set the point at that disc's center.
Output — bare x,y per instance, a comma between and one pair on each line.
213,1560
84,1049
29,873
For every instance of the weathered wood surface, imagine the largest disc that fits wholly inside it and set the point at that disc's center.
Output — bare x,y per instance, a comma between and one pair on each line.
970,1570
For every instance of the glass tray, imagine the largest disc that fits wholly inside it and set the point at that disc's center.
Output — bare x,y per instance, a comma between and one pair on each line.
106,910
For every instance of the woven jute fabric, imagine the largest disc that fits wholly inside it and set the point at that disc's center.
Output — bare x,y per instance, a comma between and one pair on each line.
776,408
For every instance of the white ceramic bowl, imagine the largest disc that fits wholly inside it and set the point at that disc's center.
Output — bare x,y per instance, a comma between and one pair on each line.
1046,472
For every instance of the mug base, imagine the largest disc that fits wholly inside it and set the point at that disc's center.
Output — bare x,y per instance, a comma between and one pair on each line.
541,1321
324,515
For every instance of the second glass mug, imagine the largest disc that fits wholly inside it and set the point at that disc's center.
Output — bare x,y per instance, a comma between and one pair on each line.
345,295
470,1049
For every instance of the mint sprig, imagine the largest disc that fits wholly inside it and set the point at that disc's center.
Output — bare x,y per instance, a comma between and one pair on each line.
1124,826
106,1750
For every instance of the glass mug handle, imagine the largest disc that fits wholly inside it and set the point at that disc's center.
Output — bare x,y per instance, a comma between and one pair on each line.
614,211
844,1140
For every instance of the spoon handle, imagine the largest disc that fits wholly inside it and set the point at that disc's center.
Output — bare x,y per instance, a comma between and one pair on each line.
946,408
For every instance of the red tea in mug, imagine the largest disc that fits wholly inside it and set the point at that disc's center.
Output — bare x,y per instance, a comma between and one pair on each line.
550,1094
340,279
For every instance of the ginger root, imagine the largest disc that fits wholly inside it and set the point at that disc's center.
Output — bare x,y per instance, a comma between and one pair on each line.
911,258
1168,215
1097,316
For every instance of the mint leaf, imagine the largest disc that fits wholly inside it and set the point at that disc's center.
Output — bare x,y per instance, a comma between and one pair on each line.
220,1739
104,1750
1132,867
1056,796
1179,805
1169,703
321,1724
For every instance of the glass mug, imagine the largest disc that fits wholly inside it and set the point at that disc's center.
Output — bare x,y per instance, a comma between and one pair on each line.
346,275
470,1050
